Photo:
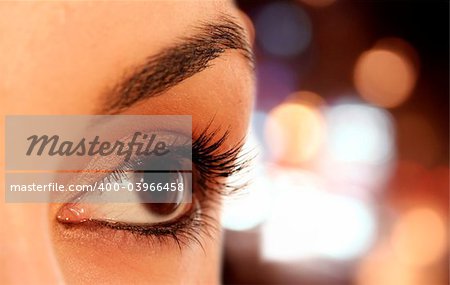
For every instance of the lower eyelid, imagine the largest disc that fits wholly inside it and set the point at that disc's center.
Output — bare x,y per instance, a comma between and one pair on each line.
190,228
96,237
97,234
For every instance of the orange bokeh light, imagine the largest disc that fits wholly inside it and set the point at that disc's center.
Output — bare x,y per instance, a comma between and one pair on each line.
385,77
294,132
306,98
381,267
420,237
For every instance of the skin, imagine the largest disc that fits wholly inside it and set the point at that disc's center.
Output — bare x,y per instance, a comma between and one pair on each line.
58,58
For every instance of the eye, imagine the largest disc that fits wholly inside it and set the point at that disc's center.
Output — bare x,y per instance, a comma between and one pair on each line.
184,216
141,197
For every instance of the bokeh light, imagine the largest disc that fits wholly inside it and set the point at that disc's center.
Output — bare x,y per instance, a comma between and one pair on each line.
255,200
358,155
359,133
294,132
255,140
400,46
354,176
381,267
307,98
283,29
348,227
420,237
385,77
307,221
289,234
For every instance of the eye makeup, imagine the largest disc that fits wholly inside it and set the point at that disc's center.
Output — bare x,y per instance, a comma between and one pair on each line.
213,165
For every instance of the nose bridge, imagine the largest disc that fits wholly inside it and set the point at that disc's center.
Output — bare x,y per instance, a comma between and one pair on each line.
27,254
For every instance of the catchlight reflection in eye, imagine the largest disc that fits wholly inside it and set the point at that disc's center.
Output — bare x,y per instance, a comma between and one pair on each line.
307,221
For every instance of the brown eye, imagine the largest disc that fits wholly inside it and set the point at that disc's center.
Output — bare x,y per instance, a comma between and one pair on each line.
162,209
172,190
160,199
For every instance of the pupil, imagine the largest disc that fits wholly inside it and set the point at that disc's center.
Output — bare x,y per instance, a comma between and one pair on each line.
167,200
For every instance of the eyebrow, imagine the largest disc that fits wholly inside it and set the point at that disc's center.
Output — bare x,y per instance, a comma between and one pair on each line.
168,68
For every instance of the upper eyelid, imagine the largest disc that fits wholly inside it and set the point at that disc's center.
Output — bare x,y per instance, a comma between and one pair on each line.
99,167
171,138
179,62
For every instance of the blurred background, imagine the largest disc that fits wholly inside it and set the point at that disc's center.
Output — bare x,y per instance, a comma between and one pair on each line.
351,185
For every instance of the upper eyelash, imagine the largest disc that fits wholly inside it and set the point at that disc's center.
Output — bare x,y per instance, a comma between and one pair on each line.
214,164
210,161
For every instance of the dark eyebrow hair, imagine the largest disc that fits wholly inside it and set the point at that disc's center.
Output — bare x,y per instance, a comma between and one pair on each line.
189,56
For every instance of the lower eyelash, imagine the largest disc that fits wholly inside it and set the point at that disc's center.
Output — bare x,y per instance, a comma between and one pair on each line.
190,228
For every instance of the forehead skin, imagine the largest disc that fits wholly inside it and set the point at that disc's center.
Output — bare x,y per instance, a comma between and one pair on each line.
61,58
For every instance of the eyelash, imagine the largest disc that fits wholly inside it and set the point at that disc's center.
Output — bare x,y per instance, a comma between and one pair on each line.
183,231
210,164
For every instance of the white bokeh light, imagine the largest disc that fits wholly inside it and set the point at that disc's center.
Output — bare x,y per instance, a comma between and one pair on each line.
359,133
348,227
251,205
248,209
308,222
